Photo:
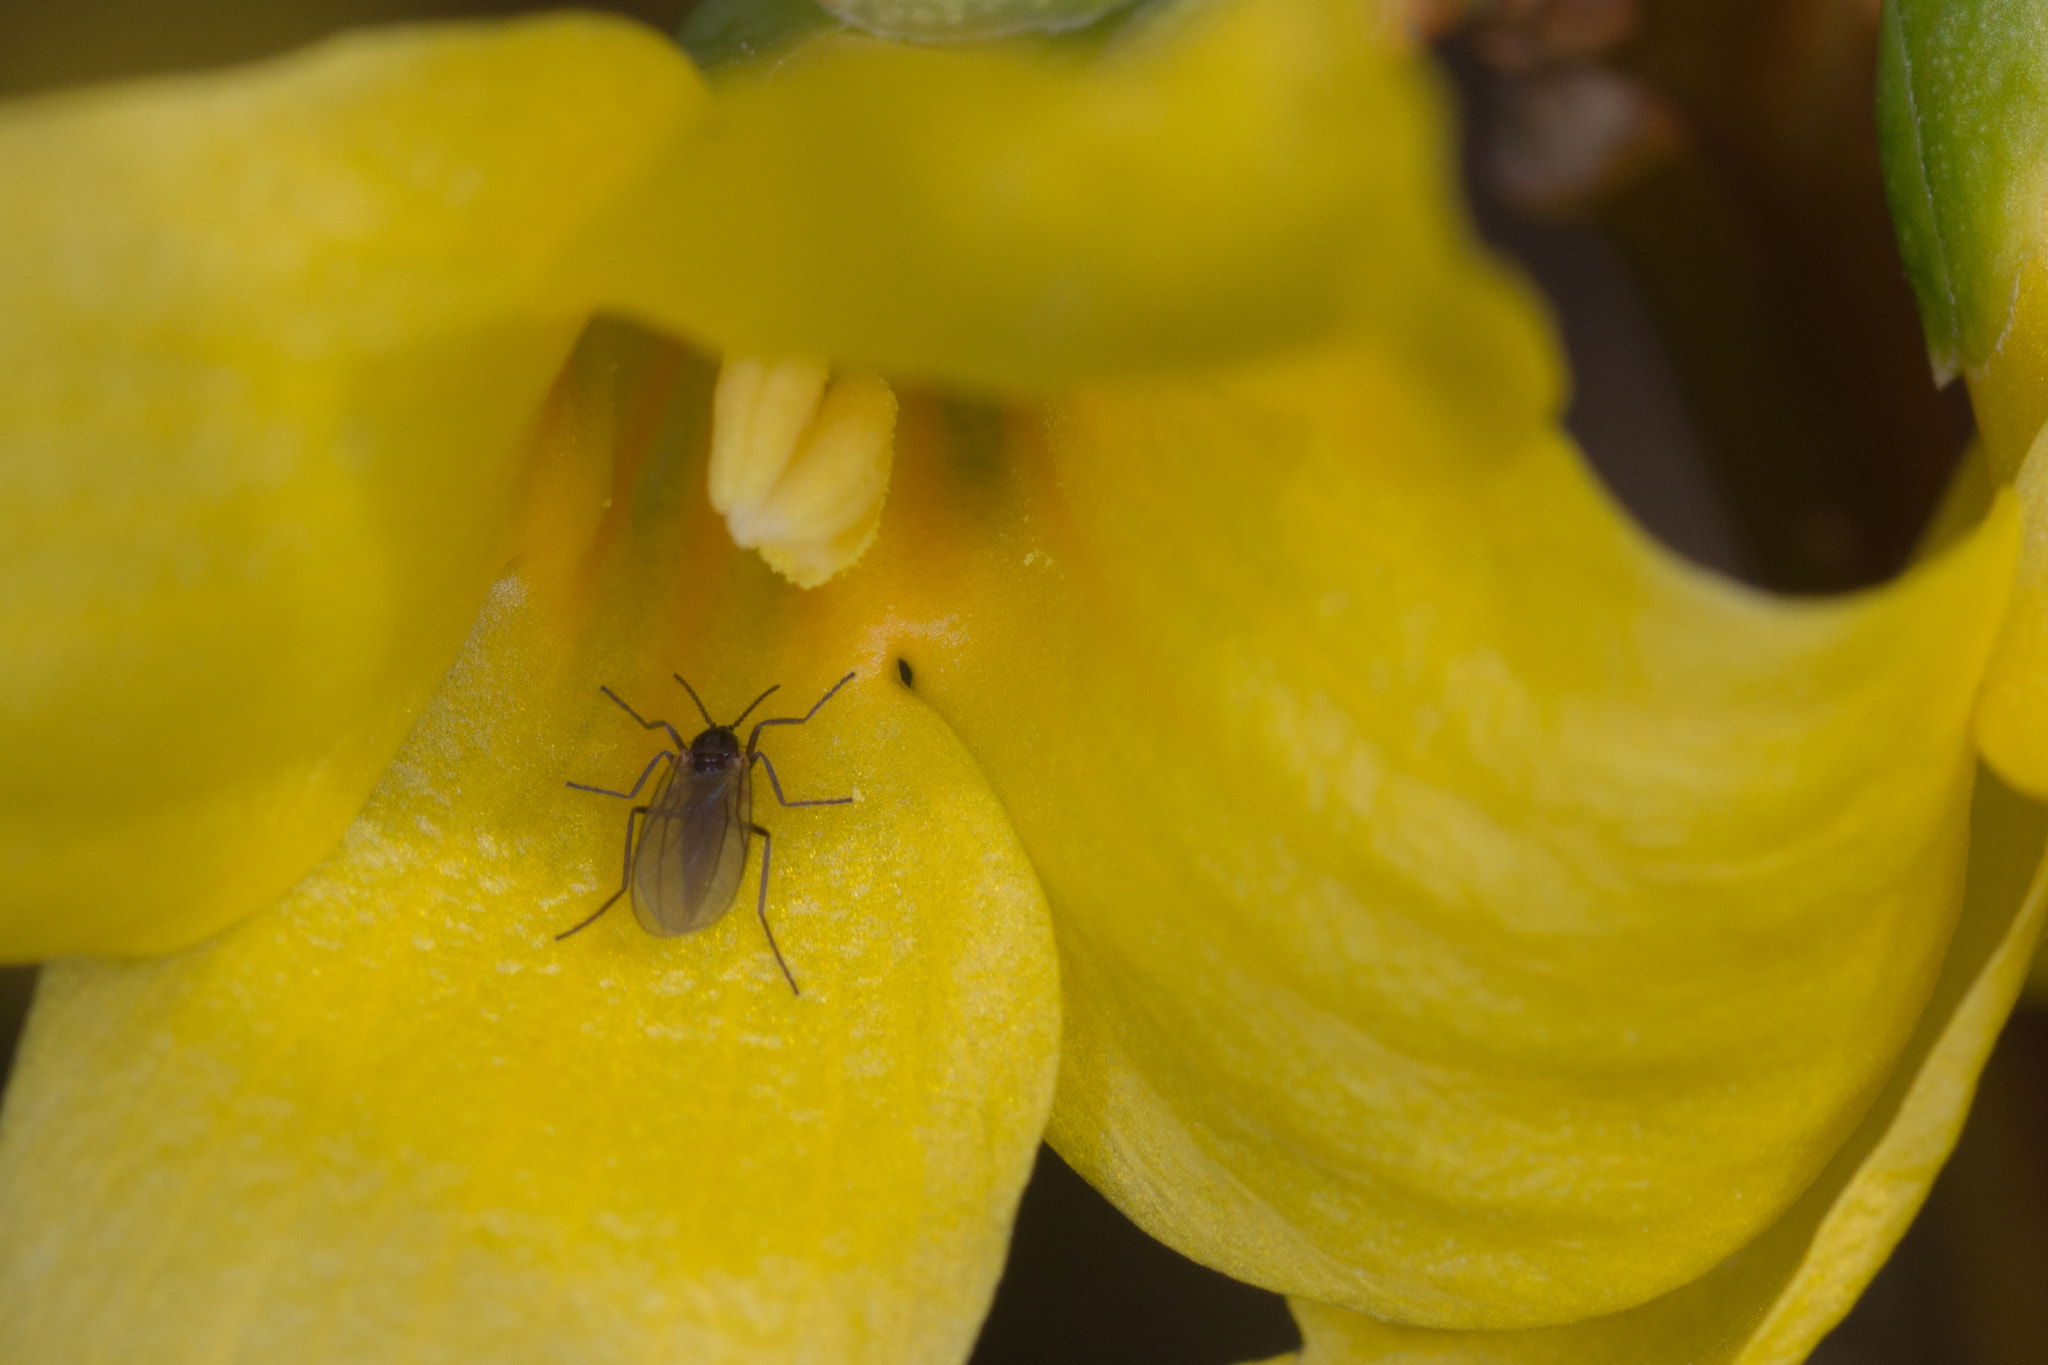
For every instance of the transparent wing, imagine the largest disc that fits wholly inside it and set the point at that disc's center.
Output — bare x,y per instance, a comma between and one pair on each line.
692,851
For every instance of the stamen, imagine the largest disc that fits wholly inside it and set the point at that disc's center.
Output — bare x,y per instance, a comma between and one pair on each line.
800,462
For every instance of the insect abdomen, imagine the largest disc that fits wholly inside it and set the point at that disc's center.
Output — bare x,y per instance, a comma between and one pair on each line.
692,853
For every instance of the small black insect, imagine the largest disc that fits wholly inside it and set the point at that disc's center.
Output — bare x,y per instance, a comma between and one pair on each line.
683,872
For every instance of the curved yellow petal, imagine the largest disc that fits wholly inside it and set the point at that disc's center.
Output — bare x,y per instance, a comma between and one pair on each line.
1223,179
395,1119
270,340
1468,914
2009,391
1771,1303
2012,716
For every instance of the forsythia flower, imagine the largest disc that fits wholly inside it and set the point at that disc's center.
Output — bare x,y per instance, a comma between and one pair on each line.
1282,777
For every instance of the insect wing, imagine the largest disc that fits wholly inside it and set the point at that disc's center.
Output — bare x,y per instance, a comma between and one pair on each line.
692,851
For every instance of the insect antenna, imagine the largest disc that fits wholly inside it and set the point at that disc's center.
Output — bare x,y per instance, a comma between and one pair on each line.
751,705
693,697
759,726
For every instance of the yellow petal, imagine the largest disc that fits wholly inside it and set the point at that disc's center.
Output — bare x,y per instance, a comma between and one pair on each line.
270,341
1224,179
1772,1303
2012,716
394,1119
1468,913
2009,392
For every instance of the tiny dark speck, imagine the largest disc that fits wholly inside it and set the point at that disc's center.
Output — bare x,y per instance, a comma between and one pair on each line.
903,672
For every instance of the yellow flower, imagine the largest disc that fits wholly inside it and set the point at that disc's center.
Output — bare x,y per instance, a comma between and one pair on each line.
1281,776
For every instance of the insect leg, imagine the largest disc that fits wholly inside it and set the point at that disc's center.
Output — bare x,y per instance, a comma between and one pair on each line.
681,743
776,782
625,880
761,725
628,796
761,908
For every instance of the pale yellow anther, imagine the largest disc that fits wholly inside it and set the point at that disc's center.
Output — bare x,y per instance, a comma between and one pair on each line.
800,462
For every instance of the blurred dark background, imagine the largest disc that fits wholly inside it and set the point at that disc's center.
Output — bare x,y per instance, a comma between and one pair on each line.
1693,184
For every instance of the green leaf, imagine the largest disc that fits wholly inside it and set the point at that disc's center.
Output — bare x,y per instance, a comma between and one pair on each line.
1962,111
